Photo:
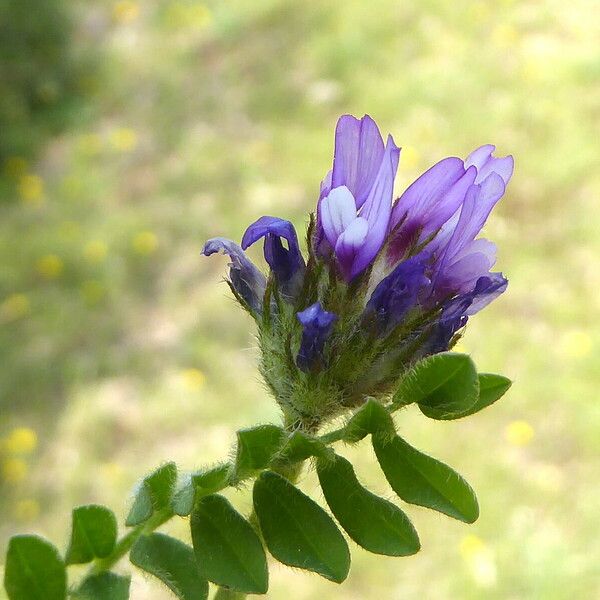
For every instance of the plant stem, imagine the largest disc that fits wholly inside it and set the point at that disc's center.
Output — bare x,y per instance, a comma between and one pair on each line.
290,471
126,542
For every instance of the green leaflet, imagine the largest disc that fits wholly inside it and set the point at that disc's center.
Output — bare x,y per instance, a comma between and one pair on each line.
34,570
371,417
297,531
300,446
491,388
104,586
171,561
372,522
227,549
93,534
256,447
441,384
199,484
154,494
420,479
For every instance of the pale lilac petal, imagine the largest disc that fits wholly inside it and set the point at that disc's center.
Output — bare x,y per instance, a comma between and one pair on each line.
349,243
326,184
338,210
485,163
378,208
449,204
479,246
358,154
462,275
427,190
479,202
479,156
503,166
353,236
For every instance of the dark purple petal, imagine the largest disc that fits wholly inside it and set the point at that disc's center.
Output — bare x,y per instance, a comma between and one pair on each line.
377,209
487,289
316,328
457,311
358,154
397,293
287,263
245,277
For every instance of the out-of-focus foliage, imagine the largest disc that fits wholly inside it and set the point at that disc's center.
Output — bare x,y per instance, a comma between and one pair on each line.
119,350
41,73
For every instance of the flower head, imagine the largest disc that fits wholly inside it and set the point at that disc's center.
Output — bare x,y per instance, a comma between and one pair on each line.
385,283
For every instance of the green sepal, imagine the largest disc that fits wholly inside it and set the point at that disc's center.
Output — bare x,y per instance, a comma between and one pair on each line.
103,586
300,446
297,531
227,549
154,494
423,480
372,522
441,384
370,418
491,388
200,484
171,561
256,447
34,570
93,534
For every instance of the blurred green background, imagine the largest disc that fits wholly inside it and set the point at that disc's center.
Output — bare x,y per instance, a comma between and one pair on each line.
132,131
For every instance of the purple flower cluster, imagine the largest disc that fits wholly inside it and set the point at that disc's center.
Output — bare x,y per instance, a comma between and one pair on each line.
417,255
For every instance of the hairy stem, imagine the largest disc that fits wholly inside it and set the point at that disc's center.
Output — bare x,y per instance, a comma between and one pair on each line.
290,471
126,542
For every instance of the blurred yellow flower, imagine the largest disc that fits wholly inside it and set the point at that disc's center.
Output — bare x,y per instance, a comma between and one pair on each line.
519,433
576,344
21,440
92,291
193,379
478,12
14,470
410,157
479,559
470,545
95,251
504,35
90,143
123,139
50,266
126,11
180,14
14,307
112,472
31,189
15,166
27,509
145,242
